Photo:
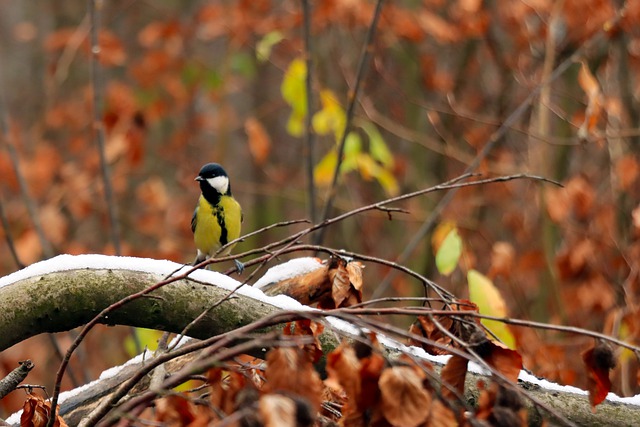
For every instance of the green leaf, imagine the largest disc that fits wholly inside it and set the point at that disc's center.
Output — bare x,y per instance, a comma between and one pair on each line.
243,63
331,118
483,292
352,148
449,253
377,146
266,44
148,339
293,87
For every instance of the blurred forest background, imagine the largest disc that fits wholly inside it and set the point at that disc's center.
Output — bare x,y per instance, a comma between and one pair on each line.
189,82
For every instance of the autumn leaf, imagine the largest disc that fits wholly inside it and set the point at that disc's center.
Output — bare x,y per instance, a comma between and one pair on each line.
449,252
589,84
453,375
483,292
36,412
504,360
599,360
259,141
404,401
294,92
266,44
290,370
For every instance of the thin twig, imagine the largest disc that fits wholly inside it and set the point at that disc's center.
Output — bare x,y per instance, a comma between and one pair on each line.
308,137
363,65
98,126
8,237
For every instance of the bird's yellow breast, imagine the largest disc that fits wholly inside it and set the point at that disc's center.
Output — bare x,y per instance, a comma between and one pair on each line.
216,225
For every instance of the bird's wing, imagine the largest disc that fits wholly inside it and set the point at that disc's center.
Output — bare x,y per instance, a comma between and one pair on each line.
194,220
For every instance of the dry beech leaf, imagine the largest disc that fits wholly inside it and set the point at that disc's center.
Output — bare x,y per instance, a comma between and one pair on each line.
504,360
175,410
343,369
259,141
599,360
502,260
277,410
371,368
589,84
308,328
453,375
499,406
404,401
289,370
36,412
225,388
441,415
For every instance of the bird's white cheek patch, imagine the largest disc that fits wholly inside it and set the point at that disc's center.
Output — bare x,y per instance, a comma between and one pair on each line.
220,183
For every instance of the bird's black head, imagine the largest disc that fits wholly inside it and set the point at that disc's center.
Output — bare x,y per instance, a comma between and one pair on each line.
213,177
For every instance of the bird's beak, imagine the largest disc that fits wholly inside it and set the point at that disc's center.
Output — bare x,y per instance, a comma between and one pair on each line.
198,178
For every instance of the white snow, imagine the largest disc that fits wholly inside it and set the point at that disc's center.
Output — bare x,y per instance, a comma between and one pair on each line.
287,270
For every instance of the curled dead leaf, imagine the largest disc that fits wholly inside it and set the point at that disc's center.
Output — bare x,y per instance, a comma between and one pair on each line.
404,401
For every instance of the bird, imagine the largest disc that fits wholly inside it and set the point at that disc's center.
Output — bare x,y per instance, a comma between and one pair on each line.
217,218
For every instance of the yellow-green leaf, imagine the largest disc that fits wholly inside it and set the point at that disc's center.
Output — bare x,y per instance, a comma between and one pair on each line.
323,172
331,118
449,253
377,146
295,124
266,44
148,339
293,87
352,148
483,292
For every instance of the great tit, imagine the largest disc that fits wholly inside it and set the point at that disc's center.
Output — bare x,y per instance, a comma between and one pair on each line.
217,217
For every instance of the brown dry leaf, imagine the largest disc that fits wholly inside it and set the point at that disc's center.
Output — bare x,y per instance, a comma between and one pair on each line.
36,412
354,268
343,369
627,170
557,204
112,51
502,260
175,410
277,410
589,84
308,328
370,371
225,388
635,219
28,247
153,194
259,140
499,406
344,292
55,224
581,196
453,375
290,370
441,416
424,326
599,360
506,361
404,401
427,327
437,27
